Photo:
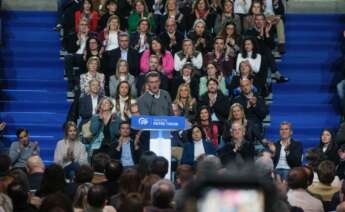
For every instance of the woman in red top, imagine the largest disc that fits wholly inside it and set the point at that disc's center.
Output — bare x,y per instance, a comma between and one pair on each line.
203,118
88,13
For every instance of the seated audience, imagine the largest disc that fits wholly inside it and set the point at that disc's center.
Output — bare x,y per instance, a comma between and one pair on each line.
99,162
88,103
287,153
238,148
139,40
124,52
87,12
156,47
104,127
20,198
298,195
188,76
140,11
22,149
93,67
196,146
172,37
79,203
97,200
159,166
162,195
185,102
201,36
145,188
328,147
126,149
324,189
221,57
122,74
188,54
53,181
216,101
253,104
209,127
84,174
212,73
237,115
70,153
123,100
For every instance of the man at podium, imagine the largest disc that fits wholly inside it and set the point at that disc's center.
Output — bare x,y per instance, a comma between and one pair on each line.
154,101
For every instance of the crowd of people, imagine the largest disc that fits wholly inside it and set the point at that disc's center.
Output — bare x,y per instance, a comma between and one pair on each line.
210,62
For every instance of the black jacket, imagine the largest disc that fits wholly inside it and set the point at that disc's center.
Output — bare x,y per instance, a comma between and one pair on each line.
114,154
220,107
294,158
166,40
245,153
255,114
85,108
113,56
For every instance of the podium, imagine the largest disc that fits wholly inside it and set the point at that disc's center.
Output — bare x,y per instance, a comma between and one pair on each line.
160,137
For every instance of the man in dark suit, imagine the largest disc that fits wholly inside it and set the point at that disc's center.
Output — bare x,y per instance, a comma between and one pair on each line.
253,104
287,152
123,52
88,103
171,37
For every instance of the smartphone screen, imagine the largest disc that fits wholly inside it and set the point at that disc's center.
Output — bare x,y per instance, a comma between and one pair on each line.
232,200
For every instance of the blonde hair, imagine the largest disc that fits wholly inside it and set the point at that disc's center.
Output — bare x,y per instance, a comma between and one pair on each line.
94,58
117,73
113,17
244,120
69,125
101,102
178,96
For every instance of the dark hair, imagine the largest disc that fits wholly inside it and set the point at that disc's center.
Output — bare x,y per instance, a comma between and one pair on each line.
133,202
326,172
184,172
310,174
117,96
99,161
190,134
82,7
203,107
129,181
84,174
20,130
97,196
145,188
255,50
212,80
113,170
145,163
313,156
20,176
252,5
5,163
18,193
56,202
223,32
162,193
87,47
110,1
53,180
297,178
160,166
332,143
157,39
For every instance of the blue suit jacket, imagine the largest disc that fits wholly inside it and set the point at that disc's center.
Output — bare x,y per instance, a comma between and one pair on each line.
188,152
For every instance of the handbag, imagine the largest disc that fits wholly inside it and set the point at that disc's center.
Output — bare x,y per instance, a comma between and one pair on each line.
86,130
